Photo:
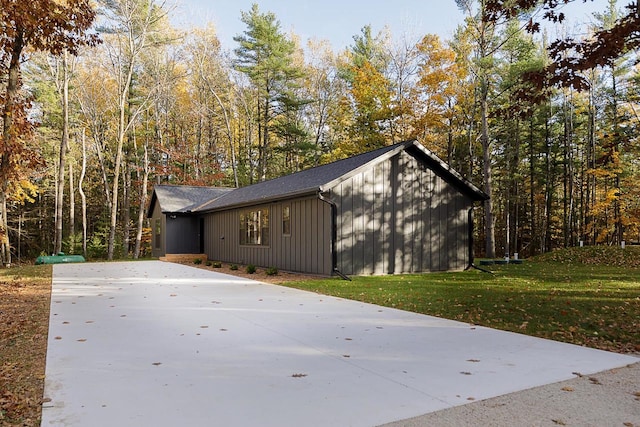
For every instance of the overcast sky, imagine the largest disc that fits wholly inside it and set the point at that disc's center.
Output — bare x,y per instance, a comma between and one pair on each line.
339,20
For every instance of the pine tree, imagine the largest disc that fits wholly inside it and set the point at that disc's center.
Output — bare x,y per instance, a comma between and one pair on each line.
266,56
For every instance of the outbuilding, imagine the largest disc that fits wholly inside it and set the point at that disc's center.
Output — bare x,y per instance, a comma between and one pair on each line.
398,209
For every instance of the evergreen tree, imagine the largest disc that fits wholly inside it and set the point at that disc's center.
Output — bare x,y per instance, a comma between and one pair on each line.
266,56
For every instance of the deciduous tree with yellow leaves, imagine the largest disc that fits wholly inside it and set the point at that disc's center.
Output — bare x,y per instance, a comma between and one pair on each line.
42,25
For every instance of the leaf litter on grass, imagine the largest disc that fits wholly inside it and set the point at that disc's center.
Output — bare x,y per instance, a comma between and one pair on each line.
24,321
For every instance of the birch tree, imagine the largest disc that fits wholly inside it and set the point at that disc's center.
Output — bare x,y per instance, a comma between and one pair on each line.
61,70
135,27
210,70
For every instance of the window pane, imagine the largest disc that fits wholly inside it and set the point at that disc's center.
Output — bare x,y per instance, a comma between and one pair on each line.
254,227
286,220
243,228
158,233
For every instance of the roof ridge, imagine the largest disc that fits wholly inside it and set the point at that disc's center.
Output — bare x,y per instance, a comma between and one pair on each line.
293,184
318,178
195,186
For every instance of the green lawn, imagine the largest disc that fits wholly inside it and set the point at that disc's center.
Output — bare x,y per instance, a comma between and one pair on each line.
592,305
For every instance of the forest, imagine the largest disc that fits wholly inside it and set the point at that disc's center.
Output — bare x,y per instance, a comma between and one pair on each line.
101,100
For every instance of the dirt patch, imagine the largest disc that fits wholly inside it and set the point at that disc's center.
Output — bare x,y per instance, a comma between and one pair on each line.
24,325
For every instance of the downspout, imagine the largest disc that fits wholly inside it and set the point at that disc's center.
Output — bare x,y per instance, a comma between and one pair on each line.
334,235
471,264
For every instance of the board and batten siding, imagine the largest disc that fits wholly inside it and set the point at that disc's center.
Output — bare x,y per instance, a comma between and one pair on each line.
306,249
400,217
158,244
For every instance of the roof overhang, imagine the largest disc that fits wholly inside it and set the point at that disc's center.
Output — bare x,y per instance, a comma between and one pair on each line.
152,203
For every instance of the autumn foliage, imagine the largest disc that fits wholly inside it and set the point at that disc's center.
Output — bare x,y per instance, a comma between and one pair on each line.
156,104
571,57
39,25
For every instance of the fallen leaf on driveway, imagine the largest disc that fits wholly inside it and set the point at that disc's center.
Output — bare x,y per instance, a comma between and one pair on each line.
157,363
567,388
299,375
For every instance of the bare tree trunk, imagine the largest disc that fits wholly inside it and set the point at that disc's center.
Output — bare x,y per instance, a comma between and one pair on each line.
82,195
138,21
57,245
72,206
5,248
234,166
122,131
61,72
617,214
568,171
64,147
113,218
10,100
532,205
489,223
103,170
516,191
143,200
549,185
126,208
593,184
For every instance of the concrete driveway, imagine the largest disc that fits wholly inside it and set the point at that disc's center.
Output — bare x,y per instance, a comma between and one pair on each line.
161,344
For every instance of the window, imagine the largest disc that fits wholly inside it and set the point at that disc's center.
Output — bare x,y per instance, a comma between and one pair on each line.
286,220
254,227
158,232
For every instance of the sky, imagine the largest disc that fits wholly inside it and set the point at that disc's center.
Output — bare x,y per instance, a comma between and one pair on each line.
339,20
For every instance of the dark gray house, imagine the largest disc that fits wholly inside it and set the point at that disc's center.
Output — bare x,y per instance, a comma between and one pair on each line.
398,209
175,229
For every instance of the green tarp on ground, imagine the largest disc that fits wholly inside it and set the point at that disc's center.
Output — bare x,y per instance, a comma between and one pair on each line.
58,259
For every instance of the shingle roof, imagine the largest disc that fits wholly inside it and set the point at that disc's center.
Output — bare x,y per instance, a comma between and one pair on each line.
181,199
305,182
184,198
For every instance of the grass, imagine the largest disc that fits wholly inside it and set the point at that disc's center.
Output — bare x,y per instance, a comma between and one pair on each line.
592,305
24,322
